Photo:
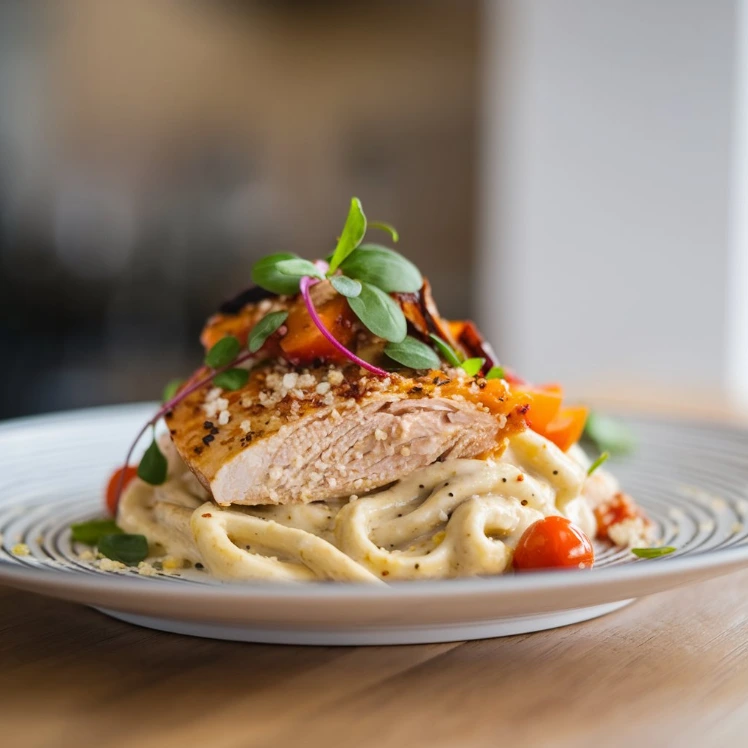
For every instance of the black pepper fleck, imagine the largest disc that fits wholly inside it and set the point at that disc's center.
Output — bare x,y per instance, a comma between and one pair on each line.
208,439
208,425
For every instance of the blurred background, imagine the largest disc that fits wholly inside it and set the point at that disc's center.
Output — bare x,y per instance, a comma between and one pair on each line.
571,173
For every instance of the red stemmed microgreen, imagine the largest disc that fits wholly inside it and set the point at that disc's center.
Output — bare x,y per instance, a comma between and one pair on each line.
305,284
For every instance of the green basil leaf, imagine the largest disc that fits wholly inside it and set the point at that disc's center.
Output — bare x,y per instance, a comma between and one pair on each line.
264,329
384,268
495,372
171,389
653,552
609,434
127,549
599,461
346,286
298,268
413,353
473,365
223,352
90,532
449,354
351,237
152,468
231,379
380,313
388,227
266,275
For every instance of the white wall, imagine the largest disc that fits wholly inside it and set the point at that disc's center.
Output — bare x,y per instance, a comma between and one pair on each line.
605,215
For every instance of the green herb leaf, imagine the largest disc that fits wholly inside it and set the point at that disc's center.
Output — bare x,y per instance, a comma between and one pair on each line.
609,434
298,268
264,329
388,227
346,286
352,236
171,389
380,313
599,461
449,354
231,379
266,275
473,365
495,372
383,268
413,353
152,468
653,552
223,352
127,549
90,532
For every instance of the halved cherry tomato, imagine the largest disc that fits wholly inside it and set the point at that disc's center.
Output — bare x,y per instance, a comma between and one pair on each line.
553,542
112,488
619,508
304,342
545,403
567,427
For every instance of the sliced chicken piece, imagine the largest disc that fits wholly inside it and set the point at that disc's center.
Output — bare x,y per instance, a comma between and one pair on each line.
293,436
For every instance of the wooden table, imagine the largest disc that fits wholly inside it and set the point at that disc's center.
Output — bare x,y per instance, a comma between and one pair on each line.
669,670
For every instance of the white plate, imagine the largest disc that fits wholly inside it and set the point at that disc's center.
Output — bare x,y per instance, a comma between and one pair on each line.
692,480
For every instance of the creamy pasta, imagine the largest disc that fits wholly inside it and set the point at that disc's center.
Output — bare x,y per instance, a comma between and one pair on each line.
460,517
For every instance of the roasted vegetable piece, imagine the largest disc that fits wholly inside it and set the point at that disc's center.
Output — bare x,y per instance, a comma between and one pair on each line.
303,343
567,427
545,403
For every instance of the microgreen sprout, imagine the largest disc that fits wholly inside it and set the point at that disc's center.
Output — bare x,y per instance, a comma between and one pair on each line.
127,549
269,324
388,227
472,366
351,236
449,353
90,532
653,552
599,461
413,353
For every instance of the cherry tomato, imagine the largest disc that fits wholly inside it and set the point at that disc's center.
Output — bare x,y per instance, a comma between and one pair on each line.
553,542
113,486
619,508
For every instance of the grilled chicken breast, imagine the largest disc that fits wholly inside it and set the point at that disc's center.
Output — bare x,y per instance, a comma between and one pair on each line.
298,435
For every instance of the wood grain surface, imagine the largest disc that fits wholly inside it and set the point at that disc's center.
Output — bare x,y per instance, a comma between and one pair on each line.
669,670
